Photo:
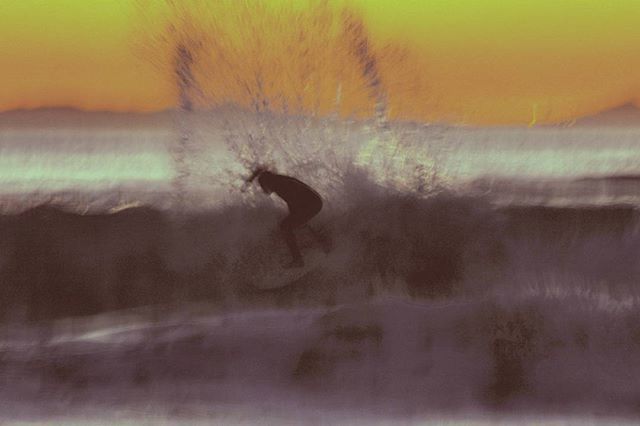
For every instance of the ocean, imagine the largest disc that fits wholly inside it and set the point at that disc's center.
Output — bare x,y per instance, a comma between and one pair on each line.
476,274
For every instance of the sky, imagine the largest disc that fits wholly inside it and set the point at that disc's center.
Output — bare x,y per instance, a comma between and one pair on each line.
466,61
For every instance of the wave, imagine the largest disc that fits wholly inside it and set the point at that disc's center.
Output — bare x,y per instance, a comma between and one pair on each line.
56,263
403,361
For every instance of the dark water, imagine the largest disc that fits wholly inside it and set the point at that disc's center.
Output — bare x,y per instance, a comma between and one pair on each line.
56,263
515,308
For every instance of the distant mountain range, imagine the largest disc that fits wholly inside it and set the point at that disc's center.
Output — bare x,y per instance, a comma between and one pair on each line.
624,116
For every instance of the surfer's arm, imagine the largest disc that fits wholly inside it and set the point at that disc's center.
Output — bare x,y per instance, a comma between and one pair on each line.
267,190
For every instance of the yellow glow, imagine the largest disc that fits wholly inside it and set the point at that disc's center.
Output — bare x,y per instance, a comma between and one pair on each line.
473,61
73,53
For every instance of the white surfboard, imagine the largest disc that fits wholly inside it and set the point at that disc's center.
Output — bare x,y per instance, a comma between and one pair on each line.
279,276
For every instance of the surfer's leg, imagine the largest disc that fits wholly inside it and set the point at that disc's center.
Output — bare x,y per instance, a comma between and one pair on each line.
287,226
321,238
298,217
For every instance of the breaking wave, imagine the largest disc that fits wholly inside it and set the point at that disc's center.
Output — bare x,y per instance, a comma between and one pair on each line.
55,262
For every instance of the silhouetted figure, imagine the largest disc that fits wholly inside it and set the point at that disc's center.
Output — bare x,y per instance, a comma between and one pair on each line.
303,202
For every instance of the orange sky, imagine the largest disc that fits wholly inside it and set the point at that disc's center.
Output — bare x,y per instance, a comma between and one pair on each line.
467,61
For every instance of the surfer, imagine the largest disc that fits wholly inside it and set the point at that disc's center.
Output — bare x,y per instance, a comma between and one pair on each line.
304,203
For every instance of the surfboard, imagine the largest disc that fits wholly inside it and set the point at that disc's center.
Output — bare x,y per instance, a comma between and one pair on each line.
279,276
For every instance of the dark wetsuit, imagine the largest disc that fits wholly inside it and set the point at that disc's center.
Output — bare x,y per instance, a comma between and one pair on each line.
303,202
